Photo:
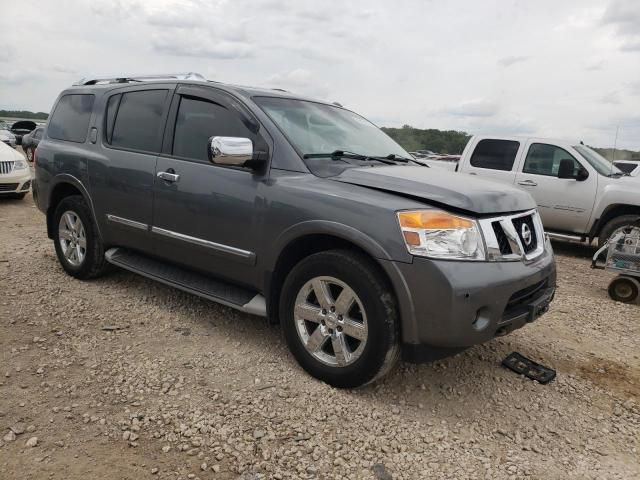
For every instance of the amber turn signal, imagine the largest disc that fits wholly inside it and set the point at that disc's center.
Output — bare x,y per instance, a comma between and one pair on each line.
433,220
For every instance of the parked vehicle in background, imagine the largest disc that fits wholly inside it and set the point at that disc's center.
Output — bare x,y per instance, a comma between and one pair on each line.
30,142
632,167
580,194
21,128
7,137
15,175
263,201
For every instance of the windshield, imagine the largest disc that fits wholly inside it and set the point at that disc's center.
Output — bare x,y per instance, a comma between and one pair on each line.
597,161
319,128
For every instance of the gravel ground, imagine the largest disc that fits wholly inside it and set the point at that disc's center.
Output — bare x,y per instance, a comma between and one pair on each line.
125,378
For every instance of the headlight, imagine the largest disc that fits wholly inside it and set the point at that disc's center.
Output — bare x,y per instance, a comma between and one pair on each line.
20,165
438,234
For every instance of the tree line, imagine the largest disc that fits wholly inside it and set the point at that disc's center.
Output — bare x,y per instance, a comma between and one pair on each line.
24,114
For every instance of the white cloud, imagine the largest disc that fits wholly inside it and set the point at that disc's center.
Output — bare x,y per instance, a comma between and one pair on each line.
480,107
624,17
512,60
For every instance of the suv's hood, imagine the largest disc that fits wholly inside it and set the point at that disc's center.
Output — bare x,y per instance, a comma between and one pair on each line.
441,187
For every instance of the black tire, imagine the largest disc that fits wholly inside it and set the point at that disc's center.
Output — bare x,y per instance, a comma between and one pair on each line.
616,223
624,289
360,274
19,196
94,263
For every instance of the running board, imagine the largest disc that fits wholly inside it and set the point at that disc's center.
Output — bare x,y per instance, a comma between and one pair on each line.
563,236
189,281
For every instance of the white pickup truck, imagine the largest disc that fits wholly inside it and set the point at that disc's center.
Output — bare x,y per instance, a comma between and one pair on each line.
581,195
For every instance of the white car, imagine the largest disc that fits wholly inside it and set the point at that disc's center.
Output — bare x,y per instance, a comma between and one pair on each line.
7,137
15,174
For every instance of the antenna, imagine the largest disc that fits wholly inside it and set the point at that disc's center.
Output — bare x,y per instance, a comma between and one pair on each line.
615,145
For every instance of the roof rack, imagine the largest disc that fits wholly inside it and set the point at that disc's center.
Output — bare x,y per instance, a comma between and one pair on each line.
139,78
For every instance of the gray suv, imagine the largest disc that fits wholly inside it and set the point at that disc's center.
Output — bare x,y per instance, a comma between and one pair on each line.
290,208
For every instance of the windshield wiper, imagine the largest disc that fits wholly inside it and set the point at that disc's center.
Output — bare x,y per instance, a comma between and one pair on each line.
340,154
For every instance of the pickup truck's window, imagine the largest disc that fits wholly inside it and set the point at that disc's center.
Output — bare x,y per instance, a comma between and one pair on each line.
597,161
495,154
139,124
70,119
627,167
543,159
197,121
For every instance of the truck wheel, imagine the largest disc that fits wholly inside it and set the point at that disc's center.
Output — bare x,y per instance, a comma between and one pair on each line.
624,289
339,318
615,224
78,246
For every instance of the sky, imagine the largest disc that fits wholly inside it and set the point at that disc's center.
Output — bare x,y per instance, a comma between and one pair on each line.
564,69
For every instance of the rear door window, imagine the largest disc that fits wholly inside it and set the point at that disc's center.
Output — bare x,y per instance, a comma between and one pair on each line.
70,119
495,154
139,120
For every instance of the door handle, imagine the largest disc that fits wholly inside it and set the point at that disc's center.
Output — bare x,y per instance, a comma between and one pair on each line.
527,183
168,176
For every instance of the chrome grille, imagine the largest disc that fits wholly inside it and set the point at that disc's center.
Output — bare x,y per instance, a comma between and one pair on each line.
506,239
6,167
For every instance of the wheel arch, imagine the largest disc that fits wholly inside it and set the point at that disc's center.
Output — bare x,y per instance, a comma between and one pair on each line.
612,211
312,237
65,185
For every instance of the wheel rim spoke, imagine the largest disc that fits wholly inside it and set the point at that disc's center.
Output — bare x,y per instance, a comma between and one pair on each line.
317,339
354,329
308,312
65,234
345,301
340,348
323,295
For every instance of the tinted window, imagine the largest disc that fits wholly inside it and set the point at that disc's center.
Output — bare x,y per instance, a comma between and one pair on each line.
38,134
495,154
626,167
197,121
70,119
543,159
139,121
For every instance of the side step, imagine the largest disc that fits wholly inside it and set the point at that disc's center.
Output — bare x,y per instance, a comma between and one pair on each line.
189,281
565,237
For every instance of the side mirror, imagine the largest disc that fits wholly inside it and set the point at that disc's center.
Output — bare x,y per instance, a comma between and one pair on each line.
231,151
582,175
566,169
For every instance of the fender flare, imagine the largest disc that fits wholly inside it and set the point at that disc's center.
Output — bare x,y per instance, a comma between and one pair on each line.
67,178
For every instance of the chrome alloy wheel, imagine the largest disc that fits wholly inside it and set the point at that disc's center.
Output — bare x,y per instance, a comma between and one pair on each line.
331,321
72,238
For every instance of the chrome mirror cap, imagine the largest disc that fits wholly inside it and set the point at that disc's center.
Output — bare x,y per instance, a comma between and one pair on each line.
233,151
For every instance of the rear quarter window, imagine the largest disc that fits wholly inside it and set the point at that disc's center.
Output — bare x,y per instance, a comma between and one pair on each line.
495,154
70,118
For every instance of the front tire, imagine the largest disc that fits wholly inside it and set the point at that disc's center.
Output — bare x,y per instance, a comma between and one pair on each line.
339,318
77,243
615,224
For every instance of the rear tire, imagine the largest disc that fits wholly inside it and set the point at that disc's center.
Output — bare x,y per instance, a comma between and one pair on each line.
624,289
344,340
616,224
78,245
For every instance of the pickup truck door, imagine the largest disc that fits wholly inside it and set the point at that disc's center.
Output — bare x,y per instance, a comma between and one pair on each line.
565,205
207,216
492,158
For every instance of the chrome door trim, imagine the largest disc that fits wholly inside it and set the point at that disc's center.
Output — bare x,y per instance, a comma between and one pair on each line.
127,222
204,243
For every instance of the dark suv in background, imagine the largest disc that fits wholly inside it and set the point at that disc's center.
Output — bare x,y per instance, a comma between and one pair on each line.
290,208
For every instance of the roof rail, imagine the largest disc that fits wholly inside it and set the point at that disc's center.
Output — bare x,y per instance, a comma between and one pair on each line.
139,78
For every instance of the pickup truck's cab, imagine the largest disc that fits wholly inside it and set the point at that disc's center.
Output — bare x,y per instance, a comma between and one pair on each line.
579,193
